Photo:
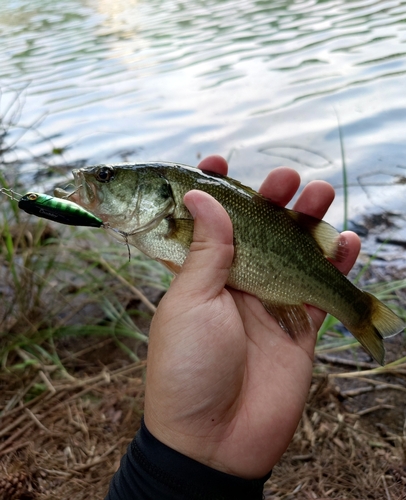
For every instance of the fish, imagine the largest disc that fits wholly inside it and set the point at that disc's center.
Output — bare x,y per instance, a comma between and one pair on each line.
58,210
281,256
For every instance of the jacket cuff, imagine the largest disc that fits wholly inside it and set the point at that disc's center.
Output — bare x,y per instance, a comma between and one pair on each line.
152,470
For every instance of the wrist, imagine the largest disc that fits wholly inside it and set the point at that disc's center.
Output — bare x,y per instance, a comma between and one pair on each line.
213,449
198,478
196,447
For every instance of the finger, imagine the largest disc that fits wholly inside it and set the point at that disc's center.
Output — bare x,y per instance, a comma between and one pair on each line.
351,244
315,199
280,185
214,163
207,265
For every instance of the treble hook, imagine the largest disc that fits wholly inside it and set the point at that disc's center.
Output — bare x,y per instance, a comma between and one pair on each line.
13,195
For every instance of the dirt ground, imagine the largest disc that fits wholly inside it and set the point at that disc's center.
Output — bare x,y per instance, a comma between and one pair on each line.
66,441
351,442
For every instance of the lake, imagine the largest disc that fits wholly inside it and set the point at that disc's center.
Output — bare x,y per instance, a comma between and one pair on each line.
262,83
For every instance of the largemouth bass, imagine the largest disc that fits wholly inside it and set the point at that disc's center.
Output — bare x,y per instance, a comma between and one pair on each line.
280,255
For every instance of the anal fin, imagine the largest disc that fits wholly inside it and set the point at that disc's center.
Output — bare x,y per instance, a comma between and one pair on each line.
293,318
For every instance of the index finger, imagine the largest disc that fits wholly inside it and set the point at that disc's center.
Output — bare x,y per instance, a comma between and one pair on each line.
280,185
214,163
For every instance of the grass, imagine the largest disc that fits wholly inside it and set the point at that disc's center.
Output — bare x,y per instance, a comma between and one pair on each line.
60,282
344,172
388,292
53,276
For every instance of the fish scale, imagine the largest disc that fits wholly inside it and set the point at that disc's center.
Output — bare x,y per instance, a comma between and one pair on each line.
280,255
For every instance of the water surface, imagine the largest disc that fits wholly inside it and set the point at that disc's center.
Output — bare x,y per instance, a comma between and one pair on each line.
263,83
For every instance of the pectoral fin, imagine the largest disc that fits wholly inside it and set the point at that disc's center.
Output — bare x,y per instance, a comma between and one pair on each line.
293,318
182,231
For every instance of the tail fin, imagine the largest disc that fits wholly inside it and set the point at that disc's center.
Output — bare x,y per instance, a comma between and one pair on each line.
382,323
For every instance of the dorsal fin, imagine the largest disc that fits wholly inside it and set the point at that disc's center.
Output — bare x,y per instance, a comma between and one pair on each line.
325,235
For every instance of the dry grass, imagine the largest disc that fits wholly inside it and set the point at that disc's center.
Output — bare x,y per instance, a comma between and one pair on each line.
71,384
67,441
338,454
71,403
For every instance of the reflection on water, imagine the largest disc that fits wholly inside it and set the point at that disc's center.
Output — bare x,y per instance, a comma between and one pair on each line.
260,82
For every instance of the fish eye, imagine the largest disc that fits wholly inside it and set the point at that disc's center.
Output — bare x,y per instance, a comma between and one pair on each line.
32,196
104,174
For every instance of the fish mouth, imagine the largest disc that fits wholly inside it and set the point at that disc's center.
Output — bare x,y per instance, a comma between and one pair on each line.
84,193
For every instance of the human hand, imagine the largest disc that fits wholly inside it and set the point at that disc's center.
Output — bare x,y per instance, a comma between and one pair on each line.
226,385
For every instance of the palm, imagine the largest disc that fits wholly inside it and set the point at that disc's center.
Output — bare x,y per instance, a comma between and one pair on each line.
226,385
277,379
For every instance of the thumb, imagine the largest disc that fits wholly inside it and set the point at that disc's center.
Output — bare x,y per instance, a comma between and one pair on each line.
207,266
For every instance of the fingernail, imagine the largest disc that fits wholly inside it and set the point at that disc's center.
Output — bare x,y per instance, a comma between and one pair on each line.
342,249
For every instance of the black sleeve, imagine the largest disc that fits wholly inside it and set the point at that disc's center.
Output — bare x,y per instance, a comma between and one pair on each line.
151,470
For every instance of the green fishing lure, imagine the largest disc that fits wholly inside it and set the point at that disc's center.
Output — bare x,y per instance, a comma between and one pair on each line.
58,210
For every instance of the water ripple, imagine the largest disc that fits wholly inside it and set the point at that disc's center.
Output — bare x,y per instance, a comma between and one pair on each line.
180,79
